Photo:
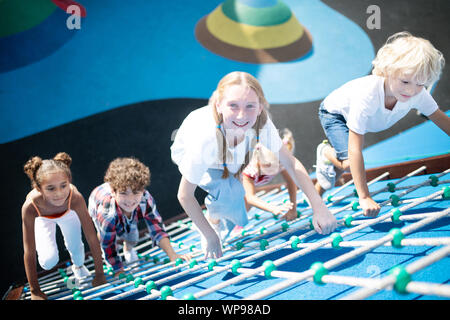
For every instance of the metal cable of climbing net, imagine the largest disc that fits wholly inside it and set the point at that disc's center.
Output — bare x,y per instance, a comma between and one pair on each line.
237,279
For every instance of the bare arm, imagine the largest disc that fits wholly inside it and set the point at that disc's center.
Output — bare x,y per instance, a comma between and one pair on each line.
251,197
355,144
292,190
194,211
166,246
441,120
357,169
324,222
29,248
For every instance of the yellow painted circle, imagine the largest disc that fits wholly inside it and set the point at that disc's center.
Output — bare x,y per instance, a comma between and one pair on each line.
253,37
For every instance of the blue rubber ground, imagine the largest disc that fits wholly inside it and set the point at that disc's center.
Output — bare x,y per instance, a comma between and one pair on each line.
63,75
422,141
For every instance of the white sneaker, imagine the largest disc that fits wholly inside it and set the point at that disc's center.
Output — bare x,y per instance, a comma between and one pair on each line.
325,173
80,272
130,255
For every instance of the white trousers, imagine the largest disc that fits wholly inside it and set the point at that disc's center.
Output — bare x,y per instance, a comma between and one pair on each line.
45,239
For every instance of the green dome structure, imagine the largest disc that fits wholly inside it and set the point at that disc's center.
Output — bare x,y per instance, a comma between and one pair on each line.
254,31
19,16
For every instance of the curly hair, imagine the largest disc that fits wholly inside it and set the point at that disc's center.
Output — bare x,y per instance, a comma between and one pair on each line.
36,168
127,172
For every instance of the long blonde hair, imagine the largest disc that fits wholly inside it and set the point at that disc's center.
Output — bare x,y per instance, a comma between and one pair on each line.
236,78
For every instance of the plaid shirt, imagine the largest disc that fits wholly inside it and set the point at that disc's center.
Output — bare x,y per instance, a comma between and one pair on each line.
111,222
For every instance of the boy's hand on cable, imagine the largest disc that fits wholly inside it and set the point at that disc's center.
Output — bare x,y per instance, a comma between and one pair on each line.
324,221
185,257
118,273
369,206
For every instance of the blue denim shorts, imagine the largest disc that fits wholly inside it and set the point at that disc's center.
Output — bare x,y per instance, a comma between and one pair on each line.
336,130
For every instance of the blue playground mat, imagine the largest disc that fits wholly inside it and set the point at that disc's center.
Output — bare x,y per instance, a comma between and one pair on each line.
422,141
51,75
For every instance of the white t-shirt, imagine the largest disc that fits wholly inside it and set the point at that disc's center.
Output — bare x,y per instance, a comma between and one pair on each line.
361,102
195,149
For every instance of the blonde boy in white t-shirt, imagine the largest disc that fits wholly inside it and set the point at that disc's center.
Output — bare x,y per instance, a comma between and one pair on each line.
403,67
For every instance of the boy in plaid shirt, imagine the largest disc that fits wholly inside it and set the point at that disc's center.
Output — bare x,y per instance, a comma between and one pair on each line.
115,206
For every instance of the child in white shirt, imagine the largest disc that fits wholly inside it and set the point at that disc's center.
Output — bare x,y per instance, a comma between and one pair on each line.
213,146
403,67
